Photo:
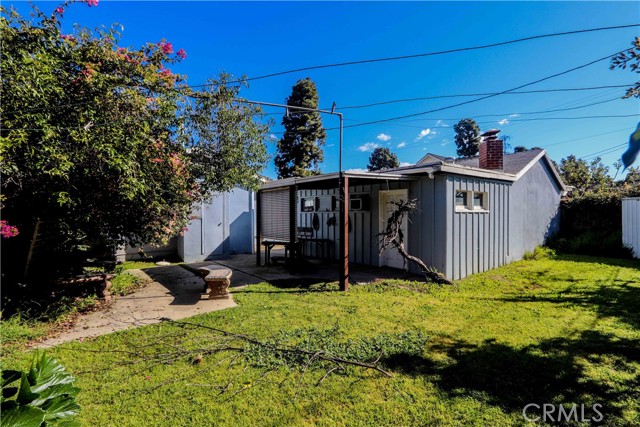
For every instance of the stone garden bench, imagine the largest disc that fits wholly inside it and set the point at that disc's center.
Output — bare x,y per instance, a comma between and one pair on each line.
216,279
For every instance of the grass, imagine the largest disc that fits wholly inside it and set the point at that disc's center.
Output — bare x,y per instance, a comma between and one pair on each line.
563,330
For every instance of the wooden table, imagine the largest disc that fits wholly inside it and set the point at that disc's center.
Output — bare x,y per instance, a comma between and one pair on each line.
216,279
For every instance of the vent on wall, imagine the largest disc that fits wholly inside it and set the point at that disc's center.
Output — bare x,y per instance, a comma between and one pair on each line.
359,202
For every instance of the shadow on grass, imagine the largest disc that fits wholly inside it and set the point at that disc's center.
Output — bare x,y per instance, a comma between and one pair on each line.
620,300
554,371
295,286
617,262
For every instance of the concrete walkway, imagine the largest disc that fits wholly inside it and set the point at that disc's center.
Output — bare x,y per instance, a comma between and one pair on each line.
174,292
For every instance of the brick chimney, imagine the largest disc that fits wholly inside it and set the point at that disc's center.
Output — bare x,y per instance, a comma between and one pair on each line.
491,150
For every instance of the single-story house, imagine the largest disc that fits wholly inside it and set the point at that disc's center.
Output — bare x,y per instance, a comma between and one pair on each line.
219,227
474,214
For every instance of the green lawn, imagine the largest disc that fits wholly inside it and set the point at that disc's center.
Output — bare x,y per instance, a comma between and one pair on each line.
561,330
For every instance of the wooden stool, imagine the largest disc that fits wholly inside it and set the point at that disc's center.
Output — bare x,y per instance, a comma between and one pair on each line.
216,279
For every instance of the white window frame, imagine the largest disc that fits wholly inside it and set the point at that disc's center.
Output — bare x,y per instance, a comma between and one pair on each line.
470,207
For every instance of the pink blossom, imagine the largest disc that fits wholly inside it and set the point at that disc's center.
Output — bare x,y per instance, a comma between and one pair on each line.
148,377
92,2
67,37
167,47
165,73
7,230
182,54
156,160
59,10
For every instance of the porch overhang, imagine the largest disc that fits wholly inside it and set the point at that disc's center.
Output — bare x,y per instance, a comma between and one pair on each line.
331,180
334,180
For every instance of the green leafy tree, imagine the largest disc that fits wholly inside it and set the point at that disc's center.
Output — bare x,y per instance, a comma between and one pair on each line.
631,59
467,137
585,177
300,149
382,158
105,143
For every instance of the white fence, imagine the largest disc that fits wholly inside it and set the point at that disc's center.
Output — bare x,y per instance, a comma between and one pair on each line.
631,224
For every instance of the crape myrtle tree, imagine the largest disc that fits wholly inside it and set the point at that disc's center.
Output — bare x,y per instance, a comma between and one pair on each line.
382,158
467,137
299,150
105,143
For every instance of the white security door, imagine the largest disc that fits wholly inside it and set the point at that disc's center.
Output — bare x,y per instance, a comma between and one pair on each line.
391,257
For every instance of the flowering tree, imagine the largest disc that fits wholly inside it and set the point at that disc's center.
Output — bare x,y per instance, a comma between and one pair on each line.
102,142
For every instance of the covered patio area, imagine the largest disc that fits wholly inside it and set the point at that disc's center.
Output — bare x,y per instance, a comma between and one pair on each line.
332,217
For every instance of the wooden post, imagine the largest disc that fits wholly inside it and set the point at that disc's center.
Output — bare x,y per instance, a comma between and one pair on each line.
258,227
344,234
292,221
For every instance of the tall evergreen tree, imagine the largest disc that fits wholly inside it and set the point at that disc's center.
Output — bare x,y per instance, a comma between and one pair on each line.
467,137
382,158
300,149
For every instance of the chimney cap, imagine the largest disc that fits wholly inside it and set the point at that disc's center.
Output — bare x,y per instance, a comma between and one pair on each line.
491,133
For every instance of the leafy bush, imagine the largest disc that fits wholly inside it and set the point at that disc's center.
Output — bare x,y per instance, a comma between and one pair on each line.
594,243
45,396
591,224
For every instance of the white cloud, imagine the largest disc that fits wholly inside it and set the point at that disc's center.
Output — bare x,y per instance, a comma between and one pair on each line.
503,122
423,133
369,146
445,142
330,145
272,137
356,170
383,137
441,124
403,164
402,144
513,116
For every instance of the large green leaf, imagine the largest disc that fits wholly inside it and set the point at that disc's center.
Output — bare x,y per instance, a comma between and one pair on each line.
25,395
47,372
22,416
61,408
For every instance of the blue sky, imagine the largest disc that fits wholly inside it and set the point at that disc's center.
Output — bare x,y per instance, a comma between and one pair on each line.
256,38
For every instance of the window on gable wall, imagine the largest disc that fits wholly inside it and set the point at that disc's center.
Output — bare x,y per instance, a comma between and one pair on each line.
472,201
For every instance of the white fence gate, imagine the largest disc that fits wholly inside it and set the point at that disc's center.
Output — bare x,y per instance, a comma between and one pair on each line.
631,224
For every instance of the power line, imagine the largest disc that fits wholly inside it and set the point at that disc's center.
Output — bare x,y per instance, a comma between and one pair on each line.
489,122
603,152
420,55
488,96
587,137
393,101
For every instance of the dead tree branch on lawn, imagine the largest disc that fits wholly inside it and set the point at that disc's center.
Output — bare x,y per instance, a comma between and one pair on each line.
230,362
393,236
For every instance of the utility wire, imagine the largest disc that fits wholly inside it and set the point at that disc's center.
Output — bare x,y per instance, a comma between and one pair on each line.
394,101
488,96
442,52
603,152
